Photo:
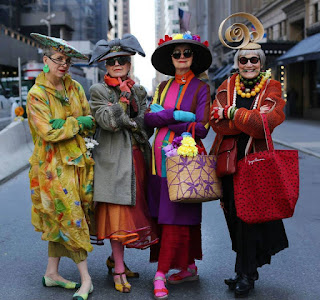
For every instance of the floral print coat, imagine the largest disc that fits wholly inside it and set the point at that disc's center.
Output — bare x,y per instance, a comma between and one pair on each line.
61,173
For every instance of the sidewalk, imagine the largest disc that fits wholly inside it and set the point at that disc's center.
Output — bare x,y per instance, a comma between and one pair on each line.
303,135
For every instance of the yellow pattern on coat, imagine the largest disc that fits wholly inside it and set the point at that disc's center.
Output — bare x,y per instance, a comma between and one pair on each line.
61,174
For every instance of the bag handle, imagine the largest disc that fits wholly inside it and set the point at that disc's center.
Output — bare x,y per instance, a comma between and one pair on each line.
228,91
192,126
267,134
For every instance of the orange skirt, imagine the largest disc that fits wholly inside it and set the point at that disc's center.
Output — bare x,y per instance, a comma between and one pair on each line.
131,225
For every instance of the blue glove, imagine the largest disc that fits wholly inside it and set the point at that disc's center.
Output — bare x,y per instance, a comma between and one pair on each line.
184,116
156,107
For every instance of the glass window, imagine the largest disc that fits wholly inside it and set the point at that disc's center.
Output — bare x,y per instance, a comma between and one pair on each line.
170,7
315,13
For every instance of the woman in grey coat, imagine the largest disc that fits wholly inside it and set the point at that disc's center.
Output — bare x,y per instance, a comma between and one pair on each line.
122,157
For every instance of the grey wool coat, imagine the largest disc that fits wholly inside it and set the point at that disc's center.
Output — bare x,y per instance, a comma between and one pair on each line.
114,175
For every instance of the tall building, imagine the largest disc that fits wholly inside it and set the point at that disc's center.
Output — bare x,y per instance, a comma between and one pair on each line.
81,22
119,17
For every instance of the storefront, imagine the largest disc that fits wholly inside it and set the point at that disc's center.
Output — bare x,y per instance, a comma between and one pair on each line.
302,78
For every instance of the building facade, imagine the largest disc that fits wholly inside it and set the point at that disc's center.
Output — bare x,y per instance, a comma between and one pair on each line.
288,24
81,22
119,18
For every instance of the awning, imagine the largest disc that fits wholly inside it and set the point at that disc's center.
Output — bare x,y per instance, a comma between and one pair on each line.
307,49
224,72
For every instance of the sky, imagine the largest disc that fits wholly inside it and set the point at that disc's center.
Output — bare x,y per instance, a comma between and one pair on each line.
143,28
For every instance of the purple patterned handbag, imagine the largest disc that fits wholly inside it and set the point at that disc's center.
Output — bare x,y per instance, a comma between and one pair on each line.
193,179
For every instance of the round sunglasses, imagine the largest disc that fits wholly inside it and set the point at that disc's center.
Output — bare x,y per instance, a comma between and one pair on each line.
186,53
122,60
254,60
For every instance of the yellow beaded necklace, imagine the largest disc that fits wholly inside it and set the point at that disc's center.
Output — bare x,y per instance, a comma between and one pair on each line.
245,92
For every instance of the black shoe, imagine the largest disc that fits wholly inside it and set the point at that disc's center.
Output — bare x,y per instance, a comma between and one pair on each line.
244,285
231,282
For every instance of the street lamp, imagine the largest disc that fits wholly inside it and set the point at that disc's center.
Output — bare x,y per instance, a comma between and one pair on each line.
47,20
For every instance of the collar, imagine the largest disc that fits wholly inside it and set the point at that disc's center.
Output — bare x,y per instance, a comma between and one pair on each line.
186,77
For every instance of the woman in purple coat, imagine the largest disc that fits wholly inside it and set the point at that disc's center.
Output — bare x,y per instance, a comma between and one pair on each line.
177,102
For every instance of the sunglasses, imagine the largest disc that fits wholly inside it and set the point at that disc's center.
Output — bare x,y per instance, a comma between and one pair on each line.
122,60
186,53
60,61
254,60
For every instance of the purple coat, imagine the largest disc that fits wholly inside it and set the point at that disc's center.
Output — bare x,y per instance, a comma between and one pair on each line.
194,96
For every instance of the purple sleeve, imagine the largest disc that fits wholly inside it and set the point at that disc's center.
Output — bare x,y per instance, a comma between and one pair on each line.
160,119
200,131
202,115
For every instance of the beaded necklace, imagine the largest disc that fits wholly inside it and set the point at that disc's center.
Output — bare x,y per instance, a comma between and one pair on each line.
241,87
249,88
255,104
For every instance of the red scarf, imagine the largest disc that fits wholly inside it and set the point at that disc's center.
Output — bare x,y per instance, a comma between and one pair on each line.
112,81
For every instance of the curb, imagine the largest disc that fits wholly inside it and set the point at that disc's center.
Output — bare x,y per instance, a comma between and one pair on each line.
14,173
301,149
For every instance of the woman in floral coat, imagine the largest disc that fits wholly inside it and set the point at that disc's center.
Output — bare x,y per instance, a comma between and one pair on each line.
61,172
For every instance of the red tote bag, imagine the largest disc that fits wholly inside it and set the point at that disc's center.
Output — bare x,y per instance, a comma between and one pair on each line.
266,184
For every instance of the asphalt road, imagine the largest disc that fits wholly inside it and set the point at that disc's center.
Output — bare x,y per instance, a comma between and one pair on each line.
293,273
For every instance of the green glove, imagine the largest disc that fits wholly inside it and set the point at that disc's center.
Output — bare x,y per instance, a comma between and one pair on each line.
86,121
57,123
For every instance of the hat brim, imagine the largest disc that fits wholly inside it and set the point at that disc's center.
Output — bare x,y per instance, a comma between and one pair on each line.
115,54
59,45
162,61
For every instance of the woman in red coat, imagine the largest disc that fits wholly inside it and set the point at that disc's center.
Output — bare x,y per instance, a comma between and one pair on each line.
236,113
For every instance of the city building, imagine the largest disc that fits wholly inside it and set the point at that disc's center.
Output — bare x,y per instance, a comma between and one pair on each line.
291,44
81,22
119,18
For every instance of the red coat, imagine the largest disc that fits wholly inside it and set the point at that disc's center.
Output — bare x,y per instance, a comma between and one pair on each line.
248,121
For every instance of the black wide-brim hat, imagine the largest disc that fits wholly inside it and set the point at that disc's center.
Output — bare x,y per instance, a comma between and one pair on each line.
161,57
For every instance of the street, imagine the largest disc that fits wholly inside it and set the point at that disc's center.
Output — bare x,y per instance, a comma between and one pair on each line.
292,275
5,113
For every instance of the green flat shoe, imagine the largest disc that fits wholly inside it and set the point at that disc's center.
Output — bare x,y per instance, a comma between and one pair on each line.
48,282
77,296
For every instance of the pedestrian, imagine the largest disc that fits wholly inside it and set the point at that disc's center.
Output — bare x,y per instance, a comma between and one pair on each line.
61,173
177,102
236,114
122,157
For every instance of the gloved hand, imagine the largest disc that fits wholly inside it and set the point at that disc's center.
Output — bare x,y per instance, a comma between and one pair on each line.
86,121
184,116
126,86
57,123
156,107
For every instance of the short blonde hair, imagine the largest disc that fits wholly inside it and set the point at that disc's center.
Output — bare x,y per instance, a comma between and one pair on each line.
243,52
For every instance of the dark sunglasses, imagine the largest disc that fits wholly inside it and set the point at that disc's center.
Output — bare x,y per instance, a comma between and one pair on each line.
186,53
122,60
254,60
